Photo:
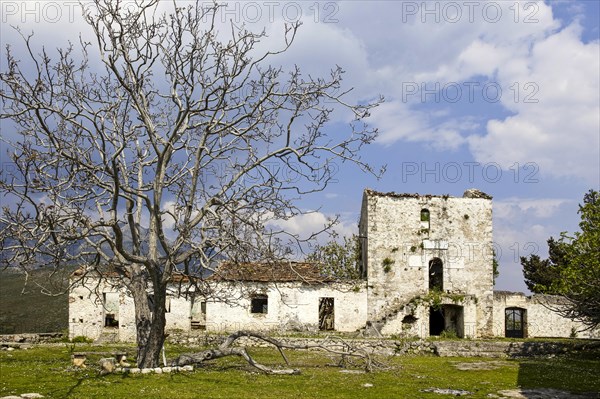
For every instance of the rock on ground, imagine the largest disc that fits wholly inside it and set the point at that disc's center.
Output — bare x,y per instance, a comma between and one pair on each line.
453,392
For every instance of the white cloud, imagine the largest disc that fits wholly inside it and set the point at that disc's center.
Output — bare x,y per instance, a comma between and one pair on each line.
306,224
560,131
514,207
397,121
547,74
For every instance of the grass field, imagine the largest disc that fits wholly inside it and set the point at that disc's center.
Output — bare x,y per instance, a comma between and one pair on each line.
47,370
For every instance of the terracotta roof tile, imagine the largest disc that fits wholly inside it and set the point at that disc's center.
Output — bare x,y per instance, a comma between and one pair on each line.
271,272
228,271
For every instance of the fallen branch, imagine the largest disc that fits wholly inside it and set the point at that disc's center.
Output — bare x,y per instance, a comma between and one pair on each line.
332,345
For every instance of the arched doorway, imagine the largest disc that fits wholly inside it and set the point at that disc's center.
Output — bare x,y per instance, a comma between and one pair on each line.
514,322
436,274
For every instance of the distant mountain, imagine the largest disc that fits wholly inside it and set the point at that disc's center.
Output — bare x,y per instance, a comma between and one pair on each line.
24,309
73,250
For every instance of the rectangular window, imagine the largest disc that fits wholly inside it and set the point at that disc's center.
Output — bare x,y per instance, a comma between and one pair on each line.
326,314
259,304
198,315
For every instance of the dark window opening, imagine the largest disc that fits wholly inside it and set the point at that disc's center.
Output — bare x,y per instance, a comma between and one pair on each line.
326,314
259,304
436,321
409,319
111,309
514,319
110,320
424,220
447,319
436,274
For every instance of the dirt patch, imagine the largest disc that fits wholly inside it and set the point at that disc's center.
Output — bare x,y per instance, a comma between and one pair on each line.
481,365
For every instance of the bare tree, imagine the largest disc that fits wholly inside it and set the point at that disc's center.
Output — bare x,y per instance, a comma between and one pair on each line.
332,345
161,147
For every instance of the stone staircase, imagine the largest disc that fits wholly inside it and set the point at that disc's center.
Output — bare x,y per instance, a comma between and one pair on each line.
373,327
108,337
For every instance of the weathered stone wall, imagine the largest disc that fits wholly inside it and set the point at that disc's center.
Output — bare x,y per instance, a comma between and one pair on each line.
400,247
445,348
294,307
36,338
397,248
87,310
86,313
540,320
291,306
379,346
484,348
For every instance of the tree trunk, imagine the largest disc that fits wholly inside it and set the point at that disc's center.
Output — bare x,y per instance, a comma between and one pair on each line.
150,321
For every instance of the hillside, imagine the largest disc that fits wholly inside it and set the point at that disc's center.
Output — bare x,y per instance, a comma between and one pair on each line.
28,310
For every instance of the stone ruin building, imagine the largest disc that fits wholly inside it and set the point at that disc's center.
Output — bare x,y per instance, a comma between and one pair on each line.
426,270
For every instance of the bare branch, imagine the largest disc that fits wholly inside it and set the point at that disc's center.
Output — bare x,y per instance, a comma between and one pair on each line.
331,345
162,148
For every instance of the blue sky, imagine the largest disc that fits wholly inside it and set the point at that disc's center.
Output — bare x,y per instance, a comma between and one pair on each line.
503,96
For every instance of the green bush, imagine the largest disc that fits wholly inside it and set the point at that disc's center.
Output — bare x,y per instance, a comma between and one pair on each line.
82,340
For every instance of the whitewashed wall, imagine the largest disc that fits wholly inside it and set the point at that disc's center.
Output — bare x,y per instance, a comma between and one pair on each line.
291,306
86,315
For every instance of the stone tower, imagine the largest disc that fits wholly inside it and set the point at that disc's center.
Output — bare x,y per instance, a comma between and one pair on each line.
428,261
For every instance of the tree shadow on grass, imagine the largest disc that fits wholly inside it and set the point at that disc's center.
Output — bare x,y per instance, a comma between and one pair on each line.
559,377
71,391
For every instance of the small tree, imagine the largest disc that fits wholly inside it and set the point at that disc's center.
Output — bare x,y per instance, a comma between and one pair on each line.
573,267
339,260
177,148
495,267
541,273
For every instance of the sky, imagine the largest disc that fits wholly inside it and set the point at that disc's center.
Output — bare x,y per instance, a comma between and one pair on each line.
503,96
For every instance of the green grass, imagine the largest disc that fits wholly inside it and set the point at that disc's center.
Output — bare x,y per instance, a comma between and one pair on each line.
46,370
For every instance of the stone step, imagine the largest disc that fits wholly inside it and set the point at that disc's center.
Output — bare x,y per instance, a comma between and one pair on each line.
107,337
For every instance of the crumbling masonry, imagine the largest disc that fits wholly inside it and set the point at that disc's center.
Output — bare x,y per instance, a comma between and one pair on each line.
427,265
